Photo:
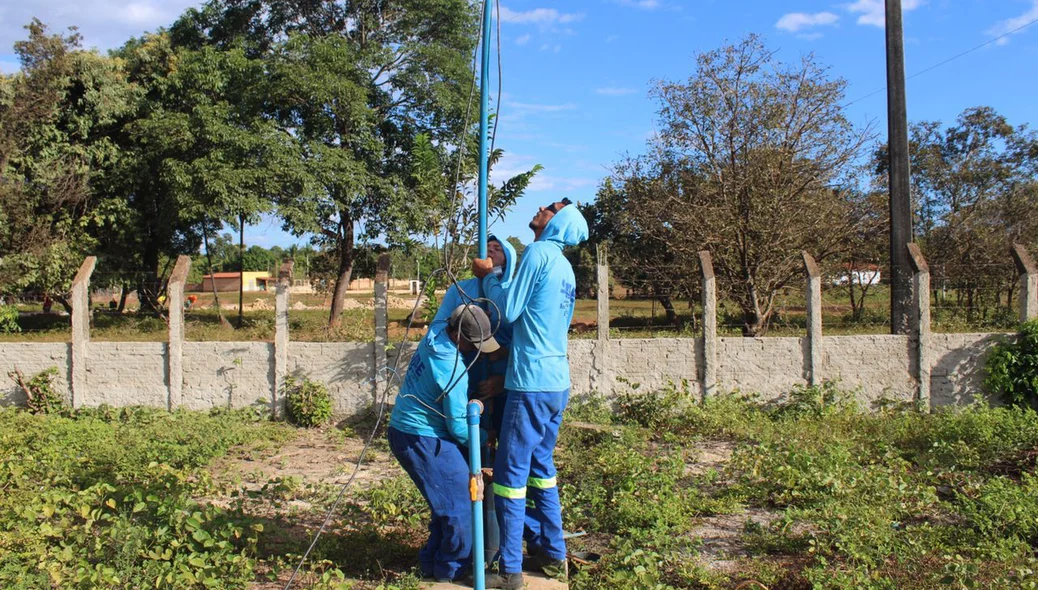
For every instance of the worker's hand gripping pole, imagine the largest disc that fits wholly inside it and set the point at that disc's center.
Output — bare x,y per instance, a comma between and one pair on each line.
475,408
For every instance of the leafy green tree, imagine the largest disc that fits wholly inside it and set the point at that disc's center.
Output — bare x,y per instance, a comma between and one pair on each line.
57,116
356,85
975,193
751,160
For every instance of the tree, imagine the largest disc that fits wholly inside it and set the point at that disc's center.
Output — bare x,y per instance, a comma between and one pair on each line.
356,85
753,159
637,258
57,116
975,193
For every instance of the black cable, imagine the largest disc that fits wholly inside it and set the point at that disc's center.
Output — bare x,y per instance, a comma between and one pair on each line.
952,58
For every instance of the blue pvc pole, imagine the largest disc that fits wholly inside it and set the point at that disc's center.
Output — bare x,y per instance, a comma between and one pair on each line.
484,119
474,409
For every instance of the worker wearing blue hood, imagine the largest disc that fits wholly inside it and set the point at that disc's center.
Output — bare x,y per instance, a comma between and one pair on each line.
539,304
486,377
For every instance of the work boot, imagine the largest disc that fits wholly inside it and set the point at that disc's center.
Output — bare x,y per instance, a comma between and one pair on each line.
502,580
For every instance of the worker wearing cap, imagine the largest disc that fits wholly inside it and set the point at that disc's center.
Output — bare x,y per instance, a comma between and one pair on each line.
487,376
539,304
428,431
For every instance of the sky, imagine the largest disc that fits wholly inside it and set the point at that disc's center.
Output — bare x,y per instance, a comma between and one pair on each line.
577,74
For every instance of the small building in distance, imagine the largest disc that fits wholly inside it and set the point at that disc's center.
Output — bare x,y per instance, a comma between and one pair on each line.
862,274
230,281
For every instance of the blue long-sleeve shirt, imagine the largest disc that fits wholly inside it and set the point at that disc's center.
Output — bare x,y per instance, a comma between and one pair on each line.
435,368
539,304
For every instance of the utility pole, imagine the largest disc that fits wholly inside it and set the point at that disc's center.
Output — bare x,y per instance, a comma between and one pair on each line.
900,199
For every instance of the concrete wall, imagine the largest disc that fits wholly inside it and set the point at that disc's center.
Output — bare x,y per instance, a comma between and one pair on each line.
31,358
126,373
768,366
227,374
958,369
222,374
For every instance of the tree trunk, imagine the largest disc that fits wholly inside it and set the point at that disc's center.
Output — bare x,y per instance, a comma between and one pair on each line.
212,277
342,280
241,270
856,304
755,321
125,288
668,307
65,303
148,285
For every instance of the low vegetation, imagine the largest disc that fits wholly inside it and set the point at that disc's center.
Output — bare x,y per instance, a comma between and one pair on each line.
822,494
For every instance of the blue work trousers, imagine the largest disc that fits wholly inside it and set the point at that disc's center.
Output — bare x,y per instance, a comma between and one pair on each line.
524,468
440,470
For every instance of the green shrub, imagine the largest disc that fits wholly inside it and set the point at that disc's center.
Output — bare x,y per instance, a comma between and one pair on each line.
308,402
1012,367
40,397
9,319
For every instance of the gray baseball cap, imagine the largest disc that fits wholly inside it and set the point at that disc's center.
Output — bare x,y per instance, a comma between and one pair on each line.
474,326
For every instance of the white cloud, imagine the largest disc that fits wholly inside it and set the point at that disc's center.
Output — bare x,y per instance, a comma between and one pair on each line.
873,12
642,4
614,91
523,40
1013,23
550,47
538,16
529,107
795,21
104,24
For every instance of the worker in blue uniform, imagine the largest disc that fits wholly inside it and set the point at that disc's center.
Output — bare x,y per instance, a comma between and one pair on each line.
486,377
428,434
539,304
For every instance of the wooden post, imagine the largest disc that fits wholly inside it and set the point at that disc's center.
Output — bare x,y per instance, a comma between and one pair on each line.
921,286
1028,283
814,320
706,269
175,346
281,336
81,329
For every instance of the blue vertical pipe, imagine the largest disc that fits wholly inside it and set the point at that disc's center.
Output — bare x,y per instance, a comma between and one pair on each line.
484,119
474,409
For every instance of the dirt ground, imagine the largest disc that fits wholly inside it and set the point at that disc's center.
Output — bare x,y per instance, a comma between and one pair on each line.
327,456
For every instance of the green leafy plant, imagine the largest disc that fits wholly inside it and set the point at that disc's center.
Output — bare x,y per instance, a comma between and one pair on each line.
40,397
1012,367
9,319
308,402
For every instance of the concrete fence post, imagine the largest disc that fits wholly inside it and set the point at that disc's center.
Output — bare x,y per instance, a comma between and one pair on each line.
175,345
603,293
381,324
81,328
706,269
281,338
814,320
1028,283
921,288
599,361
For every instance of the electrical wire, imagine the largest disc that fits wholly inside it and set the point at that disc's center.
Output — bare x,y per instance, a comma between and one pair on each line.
448,255
950,59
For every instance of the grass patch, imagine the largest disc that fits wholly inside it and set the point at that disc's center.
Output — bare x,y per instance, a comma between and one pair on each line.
886,499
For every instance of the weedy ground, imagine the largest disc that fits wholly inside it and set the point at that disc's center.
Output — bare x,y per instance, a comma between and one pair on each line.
811,491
